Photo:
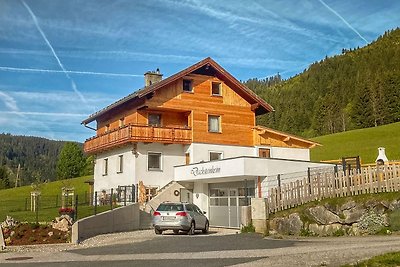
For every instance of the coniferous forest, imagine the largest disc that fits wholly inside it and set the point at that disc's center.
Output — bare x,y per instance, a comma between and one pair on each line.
359,88
38,158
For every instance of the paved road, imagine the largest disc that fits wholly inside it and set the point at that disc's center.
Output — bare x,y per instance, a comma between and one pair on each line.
213,250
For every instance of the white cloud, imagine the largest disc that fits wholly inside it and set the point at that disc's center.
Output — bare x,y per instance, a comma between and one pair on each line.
9,101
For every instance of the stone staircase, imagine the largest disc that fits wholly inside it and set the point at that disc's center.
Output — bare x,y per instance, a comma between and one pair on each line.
164,194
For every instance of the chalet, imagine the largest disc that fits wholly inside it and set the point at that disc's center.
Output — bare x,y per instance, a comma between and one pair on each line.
193,136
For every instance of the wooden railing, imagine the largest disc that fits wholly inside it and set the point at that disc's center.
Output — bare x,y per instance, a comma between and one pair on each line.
138,133
330,185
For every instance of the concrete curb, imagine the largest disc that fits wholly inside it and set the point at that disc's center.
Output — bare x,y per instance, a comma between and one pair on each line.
2,243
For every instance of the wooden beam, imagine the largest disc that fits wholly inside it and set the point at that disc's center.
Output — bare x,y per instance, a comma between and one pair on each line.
287,139
254,106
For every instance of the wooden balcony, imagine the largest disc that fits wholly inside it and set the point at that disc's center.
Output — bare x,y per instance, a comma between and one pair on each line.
138,133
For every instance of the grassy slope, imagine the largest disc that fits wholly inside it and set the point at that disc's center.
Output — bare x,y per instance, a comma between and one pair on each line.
12,201
362,142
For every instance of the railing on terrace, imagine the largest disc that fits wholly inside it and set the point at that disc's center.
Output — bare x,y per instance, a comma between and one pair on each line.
138,133
320,185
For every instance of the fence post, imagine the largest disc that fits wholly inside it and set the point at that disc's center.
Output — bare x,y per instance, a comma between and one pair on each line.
26,204
111,198
309,179
124,195
76,207
85,198
56,201
95,203
37,208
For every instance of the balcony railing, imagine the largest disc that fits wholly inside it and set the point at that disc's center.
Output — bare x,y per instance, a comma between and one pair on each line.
138,133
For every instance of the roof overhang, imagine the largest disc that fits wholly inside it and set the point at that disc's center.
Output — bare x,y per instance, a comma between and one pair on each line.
261,106
241,168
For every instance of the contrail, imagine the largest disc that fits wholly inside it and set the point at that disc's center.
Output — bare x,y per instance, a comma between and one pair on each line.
54,53
68,71
339,16
56,114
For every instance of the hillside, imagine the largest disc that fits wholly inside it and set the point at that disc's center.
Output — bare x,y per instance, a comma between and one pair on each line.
37,156
358,89
362,142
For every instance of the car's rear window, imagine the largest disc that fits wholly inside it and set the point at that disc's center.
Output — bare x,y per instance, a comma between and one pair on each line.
170,207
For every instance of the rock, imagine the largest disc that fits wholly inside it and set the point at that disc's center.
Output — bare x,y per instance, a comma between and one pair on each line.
332,208
291,225
9,223
379,208
354,214
62,223
348,205
394,205
12,233
50,233
354,230
325,230
323,216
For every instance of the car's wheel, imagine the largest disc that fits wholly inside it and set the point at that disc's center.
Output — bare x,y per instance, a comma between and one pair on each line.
176,232
206,228
192,229
157,231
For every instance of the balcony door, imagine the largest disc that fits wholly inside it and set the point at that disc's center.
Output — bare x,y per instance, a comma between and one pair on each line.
154,120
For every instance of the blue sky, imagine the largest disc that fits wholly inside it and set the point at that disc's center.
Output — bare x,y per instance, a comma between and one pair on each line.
62,60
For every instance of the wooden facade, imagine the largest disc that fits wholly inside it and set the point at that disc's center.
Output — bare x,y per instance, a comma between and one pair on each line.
184,115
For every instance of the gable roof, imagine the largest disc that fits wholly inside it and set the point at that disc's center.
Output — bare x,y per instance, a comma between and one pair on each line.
286,135
261,105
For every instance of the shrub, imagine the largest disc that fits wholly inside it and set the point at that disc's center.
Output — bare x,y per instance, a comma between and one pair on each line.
394,220
248,228
339,232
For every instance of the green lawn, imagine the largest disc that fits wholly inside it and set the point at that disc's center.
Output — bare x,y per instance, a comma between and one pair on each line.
363,142
387,260
15,201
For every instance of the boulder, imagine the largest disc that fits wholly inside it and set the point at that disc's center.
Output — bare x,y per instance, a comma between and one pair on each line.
291,225
348,205
394,205
354,214
62,223
323,216
325,230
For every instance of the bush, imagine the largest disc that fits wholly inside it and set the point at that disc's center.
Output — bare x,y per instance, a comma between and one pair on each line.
248,228
339,232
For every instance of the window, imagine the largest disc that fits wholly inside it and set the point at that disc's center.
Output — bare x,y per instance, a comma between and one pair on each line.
155,120
105,167
154,161
214,124
187,85
107,127
120,164
216,88
215,155
122,122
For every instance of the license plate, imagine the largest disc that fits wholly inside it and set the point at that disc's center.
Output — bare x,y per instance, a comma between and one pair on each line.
168,218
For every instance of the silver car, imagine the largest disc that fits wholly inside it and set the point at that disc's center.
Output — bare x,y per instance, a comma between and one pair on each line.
179,216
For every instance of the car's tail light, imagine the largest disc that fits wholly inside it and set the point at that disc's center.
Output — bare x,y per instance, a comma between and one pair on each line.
156,213
181,213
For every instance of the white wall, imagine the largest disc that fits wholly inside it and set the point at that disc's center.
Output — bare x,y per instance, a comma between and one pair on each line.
201,190
113,179
287,152
200,152
172,155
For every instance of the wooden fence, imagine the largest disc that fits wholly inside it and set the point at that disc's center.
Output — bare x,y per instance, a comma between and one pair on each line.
384,178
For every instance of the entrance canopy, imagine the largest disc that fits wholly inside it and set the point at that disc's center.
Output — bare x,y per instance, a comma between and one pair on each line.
240,168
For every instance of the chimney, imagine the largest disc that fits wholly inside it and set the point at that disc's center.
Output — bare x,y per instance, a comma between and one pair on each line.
381,156
152,77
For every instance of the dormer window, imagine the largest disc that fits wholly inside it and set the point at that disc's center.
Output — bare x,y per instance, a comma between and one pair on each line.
216,88
187,85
